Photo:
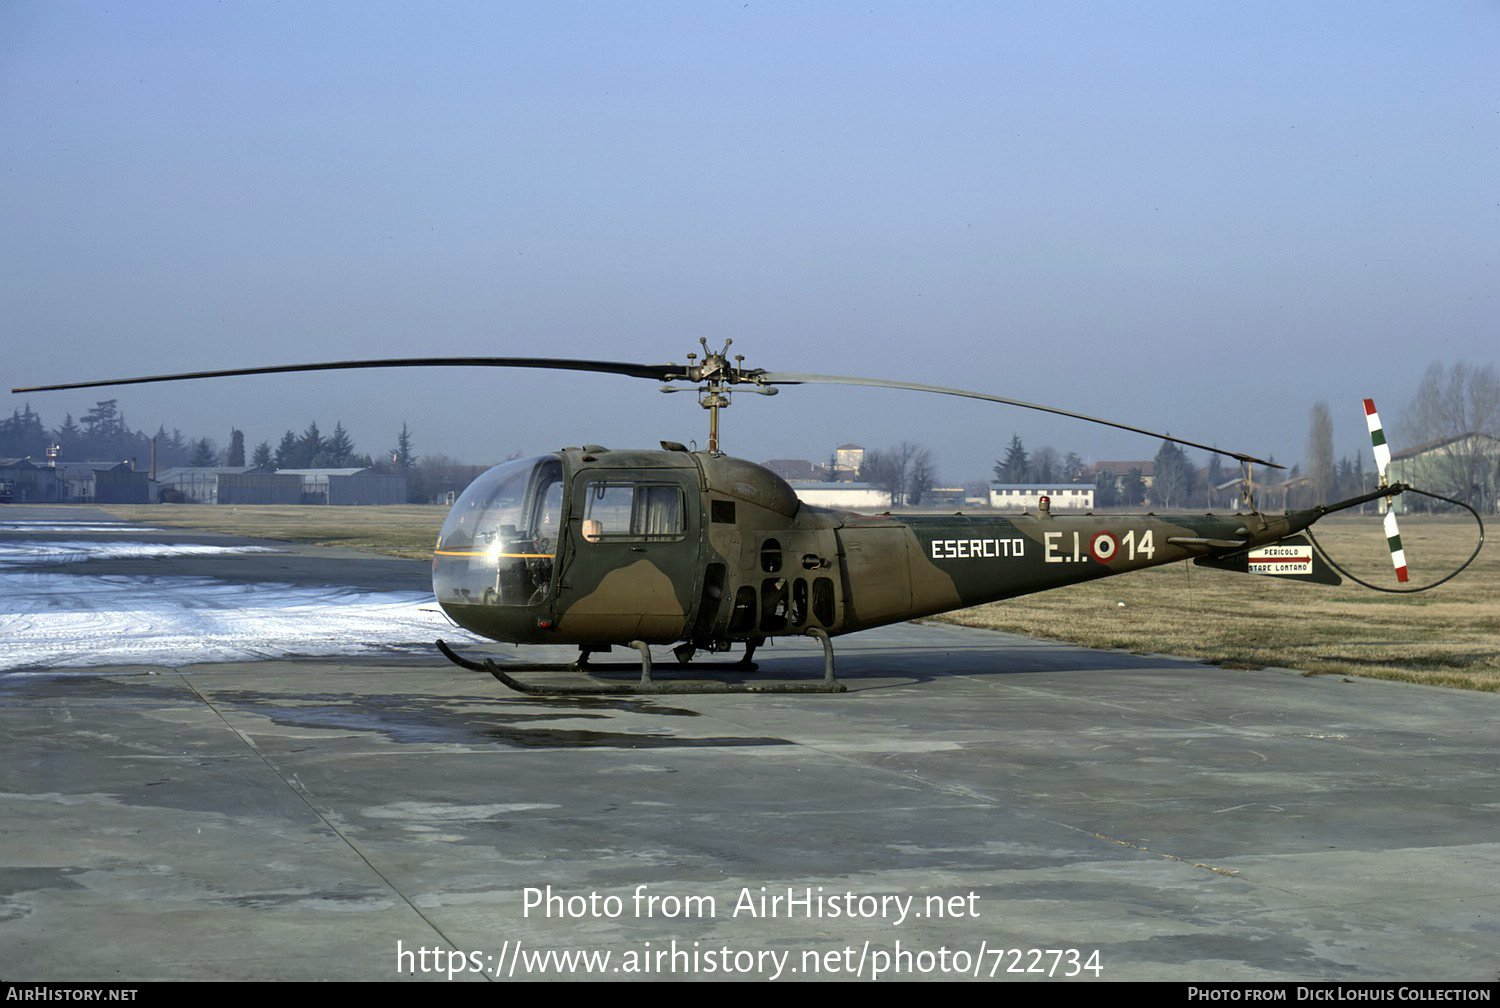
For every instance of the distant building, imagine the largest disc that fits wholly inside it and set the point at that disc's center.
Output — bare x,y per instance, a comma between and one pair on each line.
117,483
1229,494
1466,467
977,494
260,487
264,485
348,486
442,484
1281,494
843,496
1120,470
198,484
103,483
56,482
31,483
849,459
946,497
797,470
1028,496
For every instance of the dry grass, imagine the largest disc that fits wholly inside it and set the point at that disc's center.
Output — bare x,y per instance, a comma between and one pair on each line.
404,530
1449,636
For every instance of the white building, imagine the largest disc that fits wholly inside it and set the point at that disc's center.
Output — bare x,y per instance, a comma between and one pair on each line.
843,496
1028,496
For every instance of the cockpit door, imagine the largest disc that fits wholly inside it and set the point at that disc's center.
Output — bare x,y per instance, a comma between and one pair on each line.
633,544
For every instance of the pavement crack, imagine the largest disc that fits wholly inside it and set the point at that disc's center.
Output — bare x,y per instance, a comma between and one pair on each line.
302,793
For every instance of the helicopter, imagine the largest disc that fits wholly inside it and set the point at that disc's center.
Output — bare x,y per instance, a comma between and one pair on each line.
598,547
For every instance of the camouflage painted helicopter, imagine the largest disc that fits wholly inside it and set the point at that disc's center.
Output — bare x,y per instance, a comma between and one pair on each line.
597,547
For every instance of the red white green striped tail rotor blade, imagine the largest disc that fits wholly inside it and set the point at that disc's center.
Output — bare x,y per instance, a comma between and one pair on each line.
1377,438
1393,539
1383,463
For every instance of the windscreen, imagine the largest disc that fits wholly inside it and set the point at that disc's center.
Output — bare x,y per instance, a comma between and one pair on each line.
500,540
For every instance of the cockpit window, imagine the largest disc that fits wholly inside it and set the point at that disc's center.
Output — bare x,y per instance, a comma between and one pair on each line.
619,510
500,540
513,502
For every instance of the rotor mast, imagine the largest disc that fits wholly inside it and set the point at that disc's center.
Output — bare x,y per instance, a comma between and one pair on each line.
714,377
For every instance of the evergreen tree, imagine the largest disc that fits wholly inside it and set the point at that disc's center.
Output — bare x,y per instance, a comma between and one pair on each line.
309,448
23,435
103,422
236,456
1016,466
401,455
404,460
68,437
177,451
105,435
263,457
338,450
286,452
204,453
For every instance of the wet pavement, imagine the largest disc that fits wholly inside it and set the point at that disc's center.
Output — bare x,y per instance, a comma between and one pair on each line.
343,816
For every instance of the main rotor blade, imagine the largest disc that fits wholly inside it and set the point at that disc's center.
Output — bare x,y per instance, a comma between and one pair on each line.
783,378
655,372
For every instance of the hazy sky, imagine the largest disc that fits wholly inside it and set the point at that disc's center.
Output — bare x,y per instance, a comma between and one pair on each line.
1197,217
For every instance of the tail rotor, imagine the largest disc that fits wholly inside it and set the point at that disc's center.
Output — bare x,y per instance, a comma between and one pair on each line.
1382,465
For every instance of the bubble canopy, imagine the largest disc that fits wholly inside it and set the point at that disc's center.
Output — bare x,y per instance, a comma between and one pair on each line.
499,542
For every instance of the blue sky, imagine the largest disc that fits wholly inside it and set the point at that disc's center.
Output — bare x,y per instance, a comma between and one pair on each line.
1194,217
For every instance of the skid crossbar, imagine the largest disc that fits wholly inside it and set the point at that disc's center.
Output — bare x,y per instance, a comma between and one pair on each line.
646,684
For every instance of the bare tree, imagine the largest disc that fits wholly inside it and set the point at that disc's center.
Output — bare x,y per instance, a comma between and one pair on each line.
1175,476
1046,465
1213,475
881,472
1320,470
1453,430
905,472
921,477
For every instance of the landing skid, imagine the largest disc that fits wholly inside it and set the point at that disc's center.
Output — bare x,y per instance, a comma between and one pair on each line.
645,685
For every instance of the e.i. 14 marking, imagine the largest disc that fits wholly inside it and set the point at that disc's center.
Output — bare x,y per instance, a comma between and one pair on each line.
1101,546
